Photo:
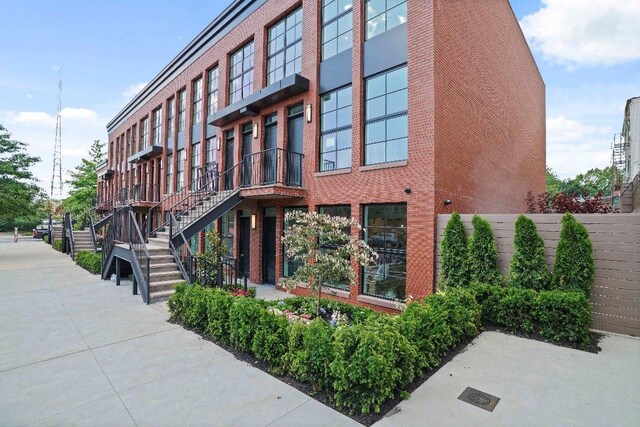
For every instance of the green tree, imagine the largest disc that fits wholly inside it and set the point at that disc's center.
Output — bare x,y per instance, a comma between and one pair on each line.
573,269
483,253
554,184
21,200
528,268
303,240
215,251
84,184
455,254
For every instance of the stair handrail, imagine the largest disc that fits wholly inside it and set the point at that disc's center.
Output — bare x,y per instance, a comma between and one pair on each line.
69,233
191,259
141,257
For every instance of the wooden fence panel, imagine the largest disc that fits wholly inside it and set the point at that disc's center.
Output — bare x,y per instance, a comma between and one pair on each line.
616,251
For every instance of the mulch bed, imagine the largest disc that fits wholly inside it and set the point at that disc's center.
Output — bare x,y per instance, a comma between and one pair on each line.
390,406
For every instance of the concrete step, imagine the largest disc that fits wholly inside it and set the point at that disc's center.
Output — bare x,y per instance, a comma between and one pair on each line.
160,295
157,251
164,267
163,276
159,241
161,259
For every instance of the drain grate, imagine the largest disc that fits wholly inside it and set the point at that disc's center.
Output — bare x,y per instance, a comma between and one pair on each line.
479,398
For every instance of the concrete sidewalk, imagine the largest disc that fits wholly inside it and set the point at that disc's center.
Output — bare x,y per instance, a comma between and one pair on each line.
76,350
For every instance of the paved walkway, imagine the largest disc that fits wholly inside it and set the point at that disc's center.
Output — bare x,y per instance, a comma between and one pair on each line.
76,350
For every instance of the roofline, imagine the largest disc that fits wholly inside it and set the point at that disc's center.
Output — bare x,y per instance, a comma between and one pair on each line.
228,19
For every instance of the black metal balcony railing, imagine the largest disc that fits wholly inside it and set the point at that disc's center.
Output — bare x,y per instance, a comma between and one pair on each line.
145,193
272,166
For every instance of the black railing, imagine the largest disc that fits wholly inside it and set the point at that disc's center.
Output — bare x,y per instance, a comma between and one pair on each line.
272,166
145,193
92,233
182,254
68,235
141,256
230,276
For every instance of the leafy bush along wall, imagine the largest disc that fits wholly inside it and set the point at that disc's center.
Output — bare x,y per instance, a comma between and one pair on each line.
90,261
362,358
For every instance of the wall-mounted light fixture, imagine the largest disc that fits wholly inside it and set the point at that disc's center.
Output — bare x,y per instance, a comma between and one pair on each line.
218,143
307,113
407,190
447,202
255,131
253,221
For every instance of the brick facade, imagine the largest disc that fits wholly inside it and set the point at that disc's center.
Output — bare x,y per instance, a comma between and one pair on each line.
475,124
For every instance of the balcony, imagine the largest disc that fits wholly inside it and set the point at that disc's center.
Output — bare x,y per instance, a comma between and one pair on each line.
272,173
144,195
145,154
252,104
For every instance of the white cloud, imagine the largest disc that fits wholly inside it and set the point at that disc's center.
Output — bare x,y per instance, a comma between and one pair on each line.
29,96
573,147
585,32
133,90
33,118
79,114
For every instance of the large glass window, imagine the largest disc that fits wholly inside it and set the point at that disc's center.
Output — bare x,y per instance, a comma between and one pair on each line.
383,15
134,143
241,73
171,111
157,126
144,133
285,47
289,265
386,117
169,188
180,170
182,110
337,26
227,226
195,165
385,230
335,129
197,101
212,91
337,210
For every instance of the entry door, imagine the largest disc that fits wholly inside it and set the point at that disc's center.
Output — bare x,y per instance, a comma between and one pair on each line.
228,160
245,245
269,250
270,152
294,146
247,140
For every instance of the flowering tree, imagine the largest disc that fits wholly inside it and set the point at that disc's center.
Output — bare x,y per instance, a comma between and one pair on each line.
324,249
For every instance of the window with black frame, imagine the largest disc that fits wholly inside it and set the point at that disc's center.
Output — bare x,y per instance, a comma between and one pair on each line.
182,110
284,47
228,159
195,166
197,101
157,126
241,73
212,91
386,126
385,230
227,227
383,15
169,186
333,211
269,159
180,170
289,265
171,111
337,27
144,133
335,129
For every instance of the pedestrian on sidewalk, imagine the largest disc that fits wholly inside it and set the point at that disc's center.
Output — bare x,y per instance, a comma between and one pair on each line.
15,234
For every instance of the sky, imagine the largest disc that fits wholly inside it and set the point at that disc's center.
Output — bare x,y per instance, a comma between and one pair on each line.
588,52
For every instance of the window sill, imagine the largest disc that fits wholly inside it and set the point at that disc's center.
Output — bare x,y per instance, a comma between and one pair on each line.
333,172
326,290
380,302
383,166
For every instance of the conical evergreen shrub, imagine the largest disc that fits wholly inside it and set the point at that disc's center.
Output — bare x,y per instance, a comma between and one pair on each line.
573,269
483,253
528,268
454,252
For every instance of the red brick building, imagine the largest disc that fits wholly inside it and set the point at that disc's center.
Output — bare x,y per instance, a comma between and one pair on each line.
378,109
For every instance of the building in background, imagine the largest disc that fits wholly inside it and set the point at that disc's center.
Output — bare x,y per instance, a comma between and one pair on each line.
629,156
386,111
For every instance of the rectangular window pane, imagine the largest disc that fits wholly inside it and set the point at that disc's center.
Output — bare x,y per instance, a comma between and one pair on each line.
285,47
169,188
386,232
337,18
335,129
383,15
197,102
333,211
241,73
182,110
212,91
290,266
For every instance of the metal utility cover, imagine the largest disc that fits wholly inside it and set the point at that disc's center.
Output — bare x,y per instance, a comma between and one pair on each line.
479,398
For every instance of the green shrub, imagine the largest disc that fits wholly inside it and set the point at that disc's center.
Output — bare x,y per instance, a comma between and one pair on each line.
514,309
564,316
219,305
455,254
244,320
271,340
528,268
573,269
372,361
483,253
196,301
485,295
463,312
90,261
426,327
215,251
311,353
176,302
57,245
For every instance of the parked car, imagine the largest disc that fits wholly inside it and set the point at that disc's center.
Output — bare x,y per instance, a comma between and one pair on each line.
41,231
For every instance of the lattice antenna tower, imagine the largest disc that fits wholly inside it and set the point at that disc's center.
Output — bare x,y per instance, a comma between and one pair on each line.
56,178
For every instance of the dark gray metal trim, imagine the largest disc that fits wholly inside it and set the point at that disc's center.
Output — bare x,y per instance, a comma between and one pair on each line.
336,71
146,153
169,143
180,141
211,130
206,219
196,133
385,51
250,106
231,17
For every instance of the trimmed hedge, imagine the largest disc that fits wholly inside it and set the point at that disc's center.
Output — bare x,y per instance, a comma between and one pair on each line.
90,261
362,364
483,253
573,269
528,267
455,254
57,245
559,316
